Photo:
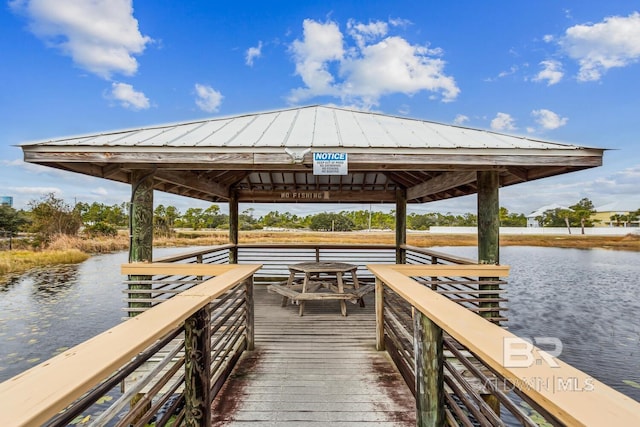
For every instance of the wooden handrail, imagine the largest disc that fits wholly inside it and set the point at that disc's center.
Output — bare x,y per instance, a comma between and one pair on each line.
439,255
597,404
173,269
192,254
36,395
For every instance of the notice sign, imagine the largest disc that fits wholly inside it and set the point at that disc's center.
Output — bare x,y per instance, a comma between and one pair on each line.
330,164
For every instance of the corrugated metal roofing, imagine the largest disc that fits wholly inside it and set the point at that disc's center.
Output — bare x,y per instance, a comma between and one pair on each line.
308,127
266,157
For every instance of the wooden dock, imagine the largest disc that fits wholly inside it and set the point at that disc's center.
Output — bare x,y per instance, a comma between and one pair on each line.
318,369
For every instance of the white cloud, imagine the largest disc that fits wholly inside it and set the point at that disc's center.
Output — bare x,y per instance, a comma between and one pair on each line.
35,190
548,119
614,42
101,36
321,44
551,72
460,119
512,70
128,97
100,191
363,33
404,109
372,67
207,98
503,121
253,53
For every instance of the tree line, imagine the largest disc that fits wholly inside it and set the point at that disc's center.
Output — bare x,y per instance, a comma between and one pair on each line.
50,215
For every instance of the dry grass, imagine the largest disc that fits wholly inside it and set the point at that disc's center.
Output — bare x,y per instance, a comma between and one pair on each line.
19,261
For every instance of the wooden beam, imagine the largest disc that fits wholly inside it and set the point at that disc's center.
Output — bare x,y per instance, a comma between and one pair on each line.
442,182
190,180
367,196
436,160
110,170
522,173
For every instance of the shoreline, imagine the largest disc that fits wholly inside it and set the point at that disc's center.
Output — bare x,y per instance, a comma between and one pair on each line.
12,263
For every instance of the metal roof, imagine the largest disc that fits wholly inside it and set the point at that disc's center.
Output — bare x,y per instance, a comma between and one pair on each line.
308,127
263,154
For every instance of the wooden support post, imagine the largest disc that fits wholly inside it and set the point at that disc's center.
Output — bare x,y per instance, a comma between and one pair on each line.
197,393
488,217
234,225
250,314
401,226
429,369
488,232
489,246
379,315
141,229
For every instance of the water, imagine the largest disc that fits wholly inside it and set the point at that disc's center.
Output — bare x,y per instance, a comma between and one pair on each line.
588,299
45,312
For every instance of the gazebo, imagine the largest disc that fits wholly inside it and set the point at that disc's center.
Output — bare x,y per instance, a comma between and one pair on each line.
319,154
316,154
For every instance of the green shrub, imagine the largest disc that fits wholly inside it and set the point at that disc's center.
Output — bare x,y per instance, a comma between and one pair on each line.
101,229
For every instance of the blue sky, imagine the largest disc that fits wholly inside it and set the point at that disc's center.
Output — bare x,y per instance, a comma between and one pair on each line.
565,71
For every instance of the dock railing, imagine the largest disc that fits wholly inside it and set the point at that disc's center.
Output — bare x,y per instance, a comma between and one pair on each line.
469,371
192,339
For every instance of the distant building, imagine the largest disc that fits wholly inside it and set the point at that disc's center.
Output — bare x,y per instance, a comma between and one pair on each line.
6,201
532,220
602,217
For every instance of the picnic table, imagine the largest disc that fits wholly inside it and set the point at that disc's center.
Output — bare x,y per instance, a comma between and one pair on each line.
322,281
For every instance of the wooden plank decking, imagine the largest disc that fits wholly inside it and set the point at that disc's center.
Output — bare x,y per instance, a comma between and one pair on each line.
319,369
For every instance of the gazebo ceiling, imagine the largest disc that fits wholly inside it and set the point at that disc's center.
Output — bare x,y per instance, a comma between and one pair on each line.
268,157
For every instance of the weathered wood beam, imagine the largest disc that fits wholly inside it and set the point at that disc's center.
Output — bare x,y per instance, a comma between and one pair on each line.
110,170
442,182
315,196
191,180
437,160
522,173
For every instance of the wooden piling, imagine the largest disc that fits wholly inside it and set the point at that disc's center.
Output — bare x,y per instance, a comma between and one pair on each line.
401,226
379,315
234,225
197,341
488,232
429,369
141,229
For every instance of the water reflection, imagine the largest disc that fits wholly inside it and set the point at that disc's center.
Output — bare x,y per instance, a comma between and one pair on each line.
52,283
48,310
